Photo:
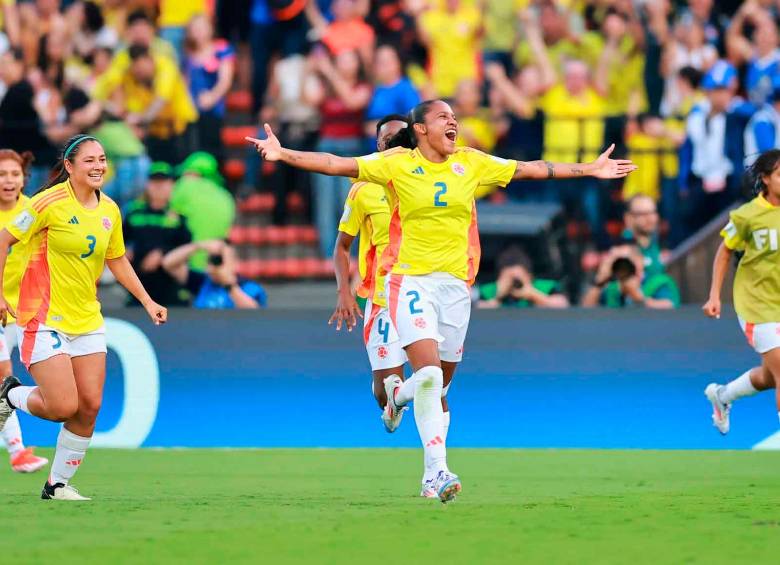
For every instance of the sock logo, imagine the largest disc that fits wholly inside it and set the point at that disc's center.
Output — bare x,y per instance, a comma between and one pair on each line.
73,462
435,441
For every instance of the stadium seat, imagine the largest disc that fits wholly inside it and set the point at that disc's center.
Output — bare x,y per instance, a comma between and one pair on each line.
614,228
237,235
295,203
233,136
234,170
255,235
309,234
257,203
239,101
311,267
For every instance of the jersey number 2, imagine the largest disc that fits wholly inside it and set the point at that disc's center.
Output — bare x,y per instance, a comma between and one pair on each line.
91,241
437,201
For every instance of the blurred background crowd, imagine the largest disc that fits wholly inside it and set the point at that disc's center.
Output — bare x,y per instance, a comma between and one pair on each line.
690,90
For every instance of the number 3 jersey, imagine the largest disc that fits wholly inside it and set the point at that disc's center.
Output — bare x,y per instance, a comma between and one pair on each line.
67,245
434,223
754,228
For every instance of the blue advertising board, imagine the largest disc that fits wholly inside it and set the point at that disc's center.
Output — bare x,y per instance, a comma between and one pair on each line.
600,379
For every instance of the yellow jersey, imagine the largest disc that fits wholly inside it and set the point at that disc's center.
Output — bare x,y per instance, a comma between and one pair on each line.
17,260
753,228
67,246
573,127
433,227
367,213
175,13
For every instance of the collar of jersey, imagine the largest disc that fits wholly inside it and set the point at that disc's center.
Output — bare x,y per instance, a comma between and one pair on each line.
72,194
433,164
764,203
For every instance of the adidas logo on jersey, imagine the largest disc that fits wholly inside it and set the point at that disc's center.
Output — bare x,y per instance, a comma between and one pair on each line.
73,220
418,171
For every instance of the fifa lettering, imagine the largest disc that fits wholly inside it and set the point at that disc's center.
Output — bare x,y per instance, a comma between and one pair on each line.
765,236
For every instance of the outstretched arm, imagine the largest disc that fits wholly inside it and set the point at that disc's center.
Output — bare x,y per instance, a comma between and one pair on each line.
603,168
325,163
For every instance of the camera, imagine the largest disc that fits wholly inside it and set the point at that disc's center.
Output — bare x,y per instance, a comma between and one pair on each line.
623,268
517,284
215,259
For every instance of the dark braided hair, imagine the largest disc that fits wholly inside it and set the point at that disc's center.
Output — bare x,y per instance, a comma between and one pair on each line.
70,150
765,165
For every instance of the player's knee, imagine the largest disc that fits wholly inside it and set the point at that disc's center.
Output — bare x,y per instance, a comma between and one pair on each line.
62,409
88,408
430,376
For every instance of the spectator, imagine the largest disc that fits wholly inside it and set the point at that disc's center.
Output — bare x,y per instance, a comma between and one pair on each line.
208,208
175,16
553,26
621,281
342,97
762,54
21,128
209,68
393,92
152,229
347,32
451,33
153,98
501,25
10,25
641,227
394,22
703,13
763,130
711,159
37,19
91,30
295,123
517,287
476,127
140,30
218,285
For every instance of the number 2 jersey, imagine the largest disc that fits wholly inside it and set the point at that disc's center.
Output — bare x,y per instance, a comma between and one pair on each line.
754,228
67,246
433,227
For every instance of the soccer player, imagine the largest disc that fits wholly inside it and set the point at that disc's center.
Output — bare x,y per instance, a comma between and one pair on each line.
433,254
13,168
70,231
753,229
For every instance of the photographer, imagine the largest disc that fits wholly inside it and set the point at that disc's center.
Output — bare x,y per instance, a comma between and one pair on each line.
620,281
219,286
515,287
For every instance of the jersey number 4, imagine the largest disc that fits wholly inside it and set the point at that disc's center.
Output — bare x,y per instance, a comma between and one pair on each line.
91,241
437,201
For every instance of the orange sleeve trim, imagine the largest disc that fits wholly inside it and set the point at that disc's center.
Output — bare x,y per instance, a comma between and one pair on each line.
44,203
355,188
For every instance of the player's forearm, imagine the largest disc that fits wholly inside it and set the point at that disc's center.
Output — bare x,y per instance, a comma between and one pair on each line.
241,299
719,268
341,268
323,163
125,275
591,297
548,170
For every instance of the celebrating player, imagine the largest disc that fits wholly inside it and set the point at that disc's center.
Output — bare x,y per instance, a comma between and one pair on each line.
753,229
71,231
13,168
434,251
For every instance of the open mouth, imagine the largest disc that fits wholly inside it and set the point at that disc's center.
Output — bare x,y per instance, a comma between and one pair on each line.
452,134
96,176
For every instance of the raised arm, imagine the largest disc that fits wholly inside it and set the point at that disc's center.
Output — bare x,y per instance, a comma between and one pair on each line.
603,168
720,267
324,163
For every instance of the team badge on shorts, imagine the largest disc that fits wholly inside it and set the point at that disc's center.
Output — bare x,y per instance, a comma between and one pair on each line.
420,323
459,351
458,169
382,352
107,223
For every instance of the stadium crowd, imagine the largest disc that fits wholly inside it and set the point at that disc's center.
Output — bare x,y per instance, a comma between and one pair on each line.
689,90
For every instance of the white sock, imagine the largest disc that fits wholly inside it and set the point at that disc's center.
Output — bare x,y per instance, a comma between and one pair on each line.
445,425
429,417
738,388
12,434
19,395
405,393
69,455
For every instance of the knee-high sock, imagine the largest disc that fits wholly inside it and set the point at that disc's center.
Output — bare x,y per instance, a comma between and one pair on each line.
429,417
738,388
68,457
12,434
19,395
405,393
445,425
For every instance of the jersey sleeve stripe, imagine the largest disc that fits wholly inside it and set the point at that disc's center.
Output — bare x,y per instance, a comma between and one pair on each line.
46,197
474,248
44,203
375,309
353,192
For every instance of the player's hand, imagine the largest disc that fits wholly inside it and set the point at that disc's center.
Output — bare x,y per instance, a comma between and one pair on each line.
158,314
347,312
712,308
5,310
606,168
269,148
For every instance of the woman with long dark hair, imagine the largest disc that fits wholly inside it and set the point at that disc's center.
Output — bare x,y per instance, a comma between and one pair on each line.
753,230
70,231
433,254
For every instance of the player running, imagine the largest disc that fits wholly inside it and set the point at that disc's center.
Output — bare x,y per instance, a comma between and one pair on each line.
70,231
753,229
13,169
433,254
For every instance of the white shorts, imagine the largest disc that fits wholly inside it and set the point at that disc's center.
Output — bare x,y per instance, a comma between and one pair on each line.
8,341
435,306
38,342
761,337
382,342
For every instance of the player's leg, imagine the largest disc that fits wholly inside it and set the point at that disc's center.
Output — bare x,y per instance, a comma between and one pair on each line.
89,372
772,363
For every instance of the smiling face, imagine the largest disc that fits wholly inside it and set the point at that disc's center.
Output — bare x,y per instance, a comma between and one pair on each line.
439,129
88,166
11,182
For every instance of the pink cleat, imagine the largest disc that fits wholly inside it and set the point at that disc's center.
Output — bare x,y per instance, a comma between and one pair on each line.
26,461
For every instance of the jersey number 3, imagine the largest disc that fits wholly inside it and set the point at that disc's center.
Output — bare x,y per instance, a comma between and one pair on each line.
437,201
91,241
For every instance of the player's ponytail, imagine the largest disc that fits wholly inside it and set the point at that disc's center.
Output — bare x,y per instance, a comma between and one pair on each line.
70,150
764,166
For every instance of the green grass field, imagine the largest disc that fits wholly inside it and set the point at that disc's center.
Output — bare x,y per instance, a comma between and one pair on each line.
360,506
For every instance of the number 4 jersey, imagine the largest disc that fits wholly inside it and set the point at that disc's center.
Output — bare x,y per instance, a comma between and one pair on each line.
67,245
434,223
753,228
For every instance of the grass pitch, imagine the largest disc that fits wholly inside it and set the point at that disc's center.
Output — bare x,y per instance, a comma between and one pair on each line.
360,506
